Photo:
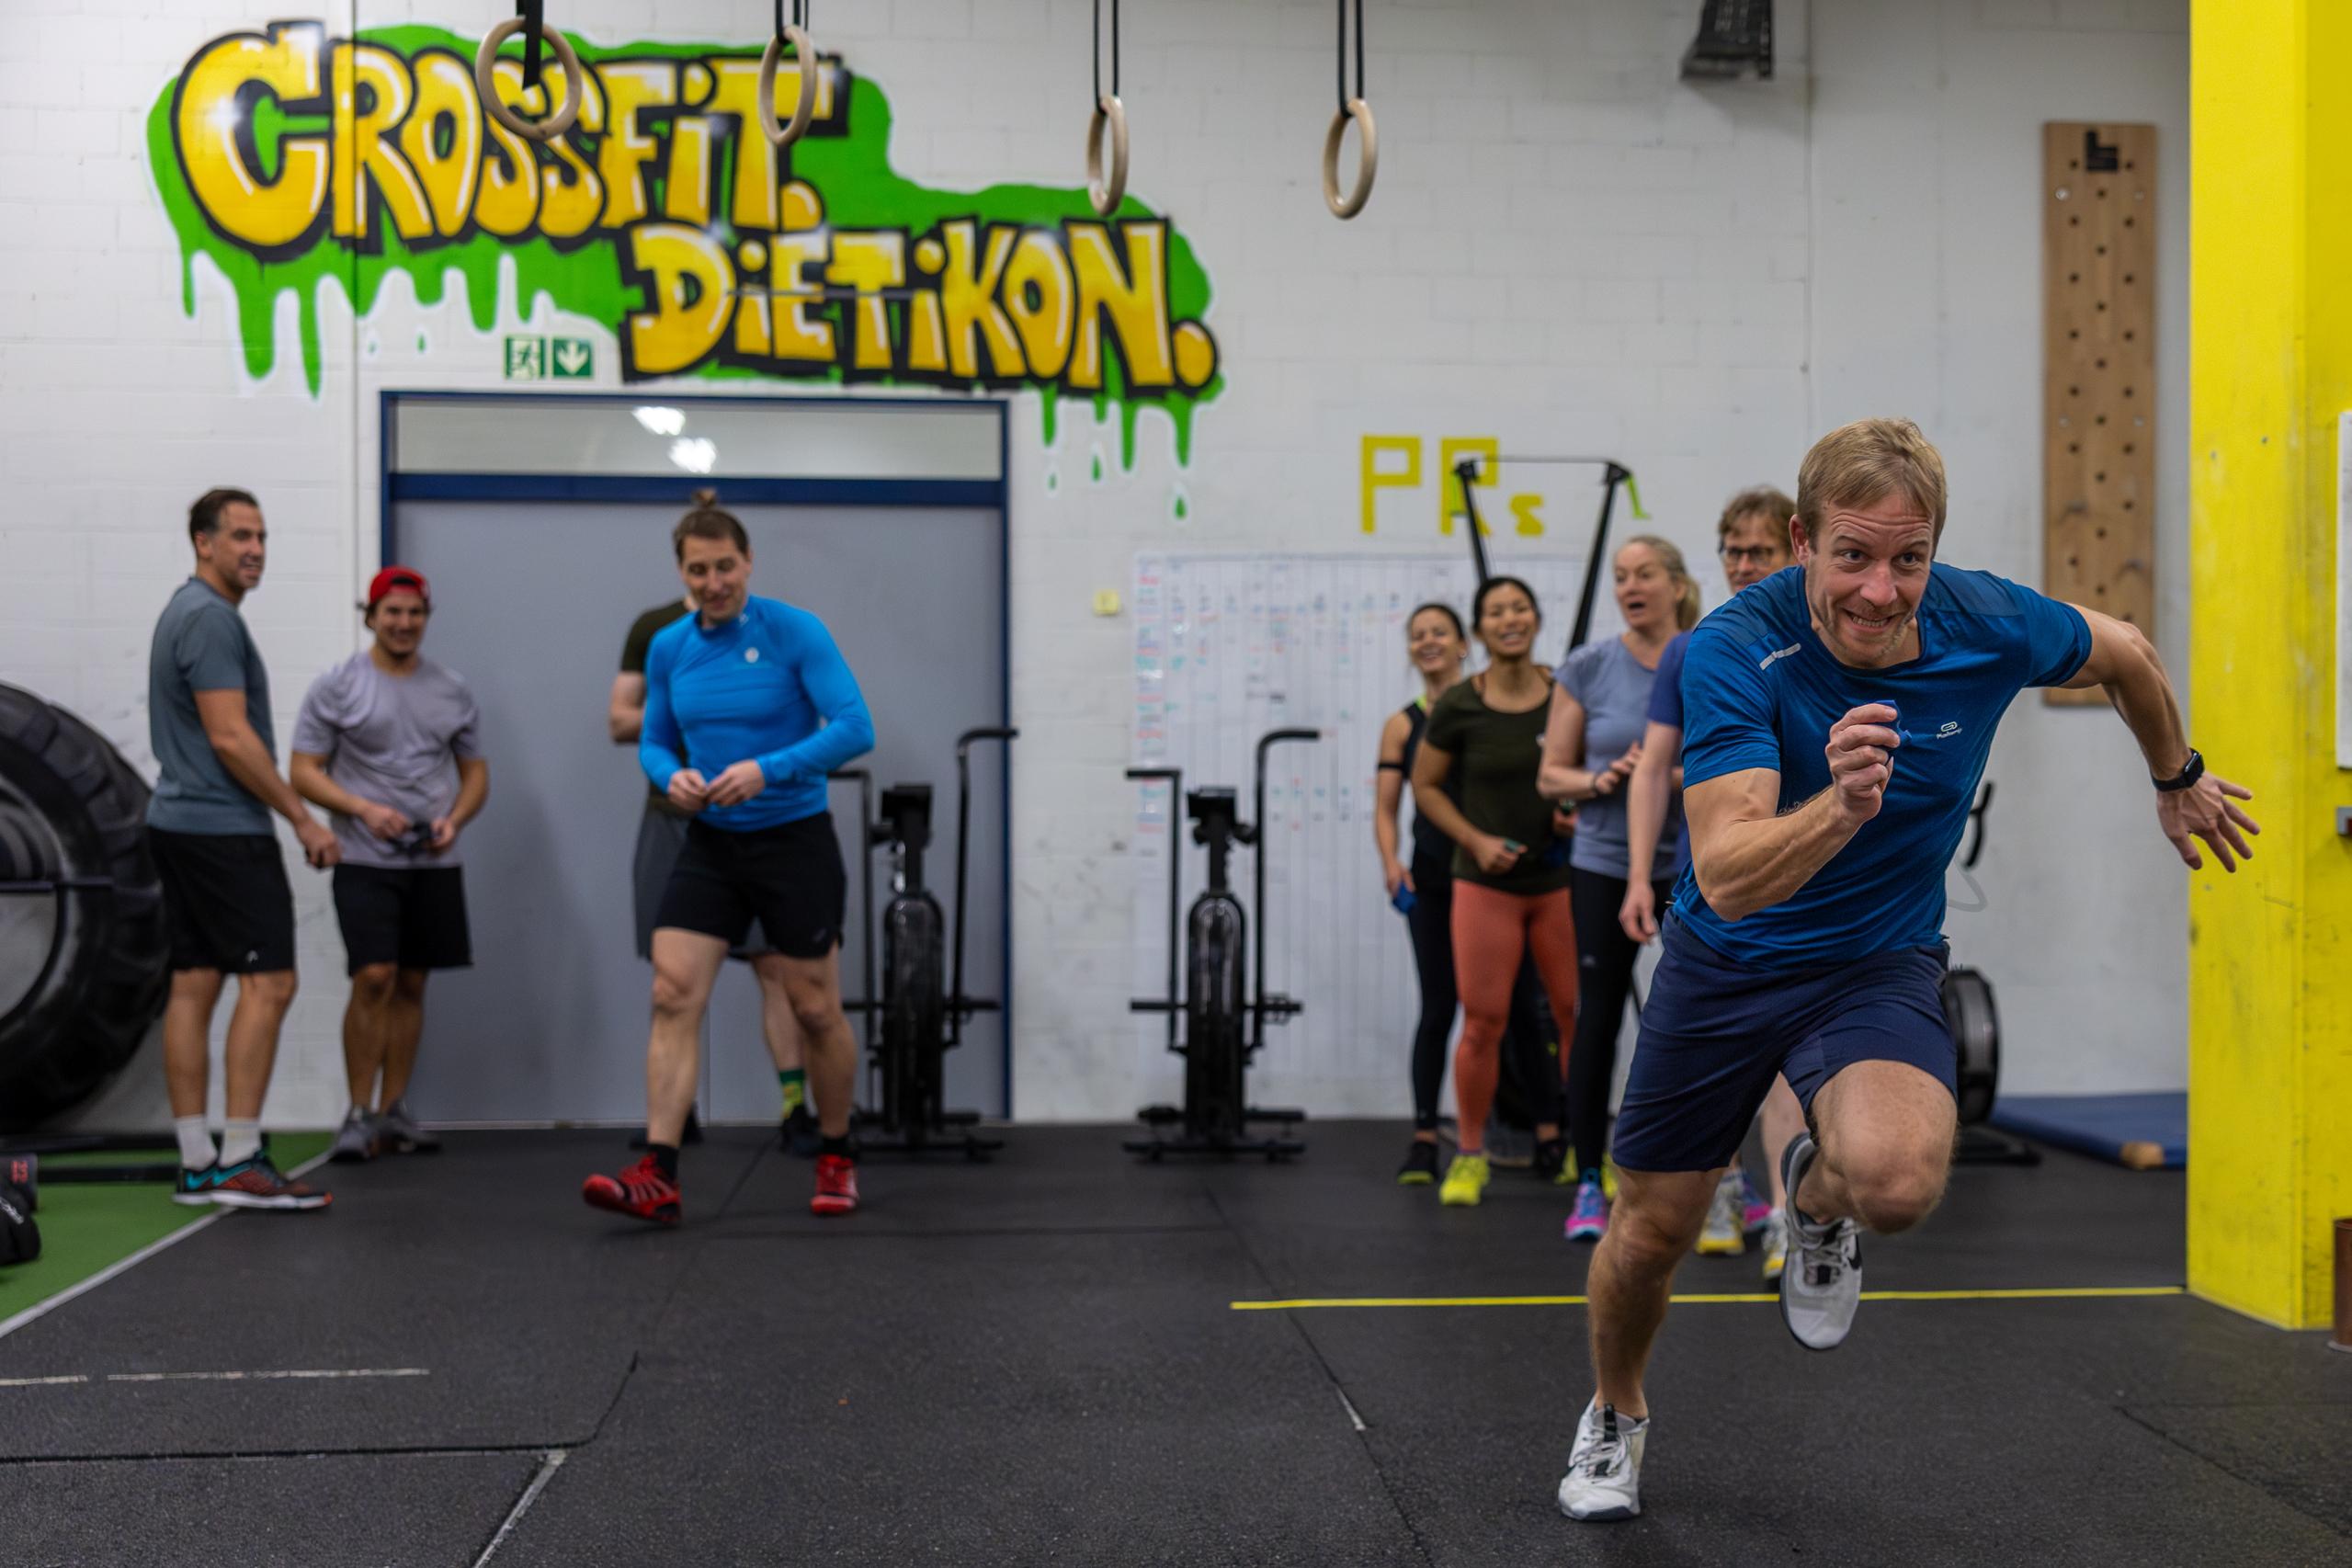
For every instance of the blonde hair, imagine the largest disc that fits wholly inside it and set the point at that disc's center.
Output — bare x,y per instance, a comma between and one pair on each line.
1686,589
1865,462
1764,501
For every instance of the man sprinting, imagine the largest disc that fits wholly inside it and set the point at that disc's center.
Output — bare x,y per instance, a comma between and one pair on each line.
390,743
748,707
1838,718
225,896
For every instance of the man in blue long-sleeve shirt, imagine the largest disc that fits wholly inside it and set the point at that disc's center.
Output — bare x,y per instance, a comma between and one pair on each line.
748,707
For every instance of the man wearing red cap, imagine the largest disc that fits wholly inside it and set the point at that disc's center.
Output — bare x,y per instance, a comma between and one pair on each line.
389,743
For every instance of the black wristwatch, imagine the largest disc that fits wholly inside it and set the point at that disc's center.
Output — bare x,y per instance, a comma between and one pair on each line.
2187,775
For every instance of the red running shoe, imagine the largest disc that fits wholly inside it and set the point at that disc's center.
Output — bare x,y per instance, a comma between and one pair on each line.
642,1192
836,1186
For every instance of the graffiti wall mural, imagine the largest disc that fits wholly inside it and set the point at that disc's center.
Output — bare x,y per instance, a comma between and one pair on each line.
292,161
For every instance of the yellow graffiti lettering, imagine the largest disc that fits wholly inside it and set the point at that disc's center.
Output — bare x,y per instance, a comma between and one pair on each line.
752,334
1136,302
1452,449
445,105
215,126
1377,477
363,159
870,263
692,291
629,85
927,334
796,337
1038,297
968,299
509,197
685,188
1523,508
750,202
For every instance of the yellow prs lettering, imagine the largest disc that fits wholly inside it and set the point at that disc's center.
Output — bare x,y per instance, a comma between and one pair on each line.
1136,301
364,161
629,85
1377,477
212,122
445,91
1523,508
1452,449
692,289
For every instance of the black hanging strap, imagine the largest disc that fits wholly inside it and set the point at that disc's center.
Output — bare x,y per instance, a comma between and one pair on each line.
1099,49
800,9
1344,94
534,16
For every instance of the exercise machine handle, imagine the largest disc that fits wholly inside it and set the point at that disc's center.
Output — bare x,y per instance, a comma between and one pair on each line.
960,1007
1281,1005
1172,1004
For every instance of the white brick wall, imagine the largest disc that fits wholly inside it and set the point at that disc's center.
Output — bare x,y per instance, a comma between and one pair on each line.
1568,249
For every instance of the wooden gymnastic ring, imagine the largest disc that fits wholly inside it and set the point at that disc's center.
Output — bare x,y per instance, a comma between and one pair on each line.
805,109
1366,167
1110,111
575,83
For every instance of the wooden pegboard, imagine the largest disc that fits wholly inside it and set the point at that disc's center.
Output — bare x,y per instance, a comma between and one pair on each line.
2099,371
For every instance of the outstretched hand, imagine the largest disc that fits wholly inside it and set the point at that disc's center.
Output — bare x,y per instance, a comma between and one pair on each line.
2208,810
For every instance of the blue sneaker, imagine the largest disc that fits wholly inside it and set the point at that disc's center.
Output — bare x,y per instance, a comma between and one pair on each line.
1588,1222
195,1188
1756,1210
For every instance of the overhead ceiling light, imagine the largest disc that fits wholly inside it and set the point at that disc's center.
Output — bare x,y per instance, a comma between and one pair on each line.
1734,40
662,421
693,453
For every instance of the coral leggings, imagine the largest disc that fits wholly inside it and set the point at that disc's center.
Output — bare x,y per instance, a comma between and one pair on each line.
1492,930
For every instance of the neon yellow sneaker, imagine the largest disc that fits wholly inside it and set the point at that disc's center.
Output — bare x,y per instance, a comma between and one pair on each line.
1608,1178
1465,1182
1723,1236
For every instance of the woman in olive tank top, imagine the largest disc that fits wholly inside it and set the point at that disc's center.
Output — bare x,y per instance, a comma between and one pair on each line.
1510,894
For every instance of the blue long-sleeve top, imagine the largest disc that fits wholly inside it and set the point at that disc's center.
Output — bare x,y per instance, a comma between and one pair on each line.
770,685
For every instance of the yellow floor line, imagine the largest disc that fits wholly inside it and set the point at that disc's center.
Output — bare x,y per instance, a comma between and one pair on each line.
2044,1294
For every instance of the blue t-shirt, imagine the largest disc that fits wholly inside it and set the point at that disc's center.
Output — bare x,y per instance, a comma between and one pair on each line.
201,645
1761,692
768,685
1665,708
1614,690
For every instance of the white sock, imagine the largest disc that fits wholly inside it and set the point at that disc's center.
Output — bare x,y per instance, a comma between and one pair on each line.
195,1142
239,1141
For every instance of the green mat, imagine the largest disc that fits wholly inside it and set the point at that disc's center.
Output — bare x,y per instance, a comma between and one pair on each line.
86,1228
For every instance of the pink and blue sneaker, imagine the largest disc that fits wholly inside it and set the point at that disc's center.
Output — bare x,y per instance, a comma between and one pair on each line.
1588,1222
1755,1211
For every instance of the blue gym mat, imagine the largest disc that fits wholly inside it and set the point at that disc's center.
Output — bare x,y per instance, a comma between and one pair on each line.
2144,1131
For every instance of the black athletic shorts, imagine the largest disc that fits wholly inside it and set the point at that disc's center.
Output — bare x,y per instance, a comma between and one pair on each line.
789,878
226,901
661,839
411,918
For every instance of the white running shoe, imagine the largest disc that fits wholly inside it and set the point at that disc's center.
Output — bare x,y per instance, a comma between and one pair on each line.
1603,1479
1724,1234
1822,1285
1776,1245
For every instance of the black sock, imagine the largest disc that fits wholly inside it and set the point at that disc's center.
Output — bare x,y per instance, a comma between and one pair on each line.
837,1148
665,1158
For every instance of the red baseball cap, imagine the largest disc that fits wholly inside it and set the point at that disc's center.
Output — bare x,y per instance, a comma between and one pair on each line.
392,577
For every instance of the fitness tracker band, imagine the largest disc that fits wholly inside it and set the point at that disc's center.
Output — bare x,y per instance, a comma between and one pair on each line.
2187,775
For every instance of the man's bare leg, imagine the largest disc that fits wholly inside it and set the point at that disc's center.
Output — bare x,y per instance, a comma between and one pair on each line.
403,1027
826,1044
251,1050
686,965
364,1027
1656,1218
1784,1117
1885,1131
187,1038
777,1023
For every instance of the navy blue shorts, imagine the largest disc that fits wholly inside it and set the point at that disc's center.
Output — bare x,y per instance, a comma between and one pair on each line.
1715,1031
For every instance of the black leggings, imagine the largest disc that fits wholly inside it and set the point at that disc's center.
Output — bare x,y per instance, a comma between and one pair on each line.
1431,922
1605,956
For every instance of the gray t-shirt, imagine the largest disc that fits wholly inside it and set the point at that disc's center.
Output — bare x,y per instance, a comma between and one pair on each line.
1615,691
395,739
201,645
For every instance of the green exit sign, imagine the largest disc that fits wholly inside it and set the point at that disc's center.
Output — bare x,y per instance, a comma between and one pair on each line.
550,358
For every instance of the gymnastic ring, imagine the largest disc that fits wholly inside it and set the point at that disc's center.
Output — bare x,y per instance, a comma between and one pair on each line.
1106,198
805,109
575,83
1366,166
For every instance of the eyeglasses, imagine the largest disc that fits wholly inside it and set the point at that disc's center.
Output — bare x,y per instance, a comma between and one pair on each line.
1760,554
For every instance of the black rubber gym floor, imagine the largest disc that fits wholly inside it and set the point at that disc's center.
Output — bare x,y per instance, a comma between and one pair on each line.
1037,1361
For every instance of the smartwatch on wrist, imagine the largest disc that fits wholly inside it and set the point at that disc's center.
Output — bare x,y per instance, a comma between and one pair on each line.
2187,775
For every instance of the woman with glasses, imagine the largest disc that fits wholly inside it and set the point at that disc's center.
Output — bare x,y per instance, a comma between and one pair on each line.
1752,540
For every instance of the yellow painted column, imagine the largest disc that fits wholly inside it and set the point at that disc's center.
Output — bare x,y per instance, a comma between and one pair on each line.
2270,369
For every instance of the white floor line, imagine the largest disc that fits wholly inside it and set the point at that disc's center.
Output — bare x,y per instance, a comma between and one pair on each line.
42,1309
547,1468
262,1377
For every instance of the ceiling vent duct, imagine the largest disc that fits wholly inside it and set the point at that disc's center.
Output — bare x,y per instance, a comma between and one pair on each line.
1734,40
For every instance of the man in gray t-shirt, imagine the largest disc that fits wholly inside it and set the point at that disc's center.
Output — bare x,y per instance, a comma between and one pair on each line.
389,741
224,885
